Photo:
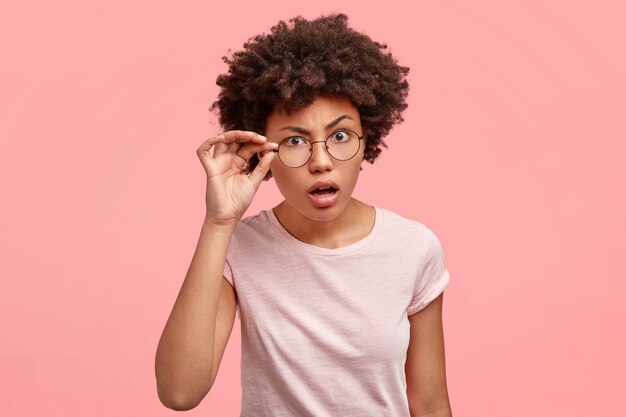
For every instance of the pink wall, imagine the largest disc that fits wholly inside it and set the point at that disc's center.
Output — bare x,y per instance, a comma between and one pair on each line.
512,152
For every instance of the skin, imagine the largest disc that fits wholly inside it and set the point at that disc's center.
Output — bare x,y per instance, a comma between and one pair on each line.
346,222
184,373
425,368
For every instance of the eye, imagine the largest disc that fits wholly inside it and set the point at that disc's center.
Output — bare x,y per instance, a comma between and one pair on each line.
341,136
294,141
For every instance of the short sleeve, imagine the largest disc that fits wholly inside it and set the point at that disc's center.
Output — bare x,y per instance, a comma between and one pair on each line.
433,277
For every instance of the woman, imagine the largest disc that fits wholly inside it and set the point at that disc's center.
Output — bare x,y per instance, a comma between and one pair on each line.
340,302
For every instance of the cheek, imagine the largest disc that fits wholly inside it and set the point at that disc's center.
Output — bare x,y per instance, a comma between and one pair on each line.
282,179
274,166
356,169
277,168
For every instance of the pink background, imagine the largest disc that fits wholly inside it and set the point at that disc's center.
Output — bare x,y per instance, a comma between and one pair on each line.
512,152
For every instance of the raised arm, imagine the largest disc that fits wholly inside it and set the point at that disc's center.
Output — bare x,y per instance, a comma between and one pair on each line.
195,335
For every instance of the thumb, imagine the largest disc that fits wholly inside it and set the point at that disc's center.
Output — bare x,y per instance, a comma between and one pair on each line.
260,171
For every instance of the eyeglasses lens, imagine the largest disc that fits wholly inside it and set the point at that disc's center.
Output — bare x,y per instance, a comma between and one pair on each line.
341,145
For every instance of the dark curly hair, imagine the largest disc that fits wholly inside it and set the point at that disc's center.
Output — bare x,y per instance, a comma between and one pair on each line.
293,64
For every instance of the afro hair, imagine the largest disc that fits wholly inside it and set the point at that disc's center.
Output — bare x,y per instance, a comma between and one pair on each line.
296,62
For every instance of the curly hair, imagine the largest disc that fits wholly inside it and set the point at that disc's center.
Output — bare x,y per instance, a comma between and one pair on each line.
293,64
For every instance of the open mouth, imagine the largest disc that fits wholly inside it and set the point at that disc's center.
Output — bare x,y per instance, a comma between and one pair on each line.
324,191
324,196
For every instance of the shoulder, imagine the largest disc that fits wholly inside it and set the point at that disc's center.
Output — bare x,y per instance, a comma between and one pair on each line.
254,231
252,222
402,226
411,234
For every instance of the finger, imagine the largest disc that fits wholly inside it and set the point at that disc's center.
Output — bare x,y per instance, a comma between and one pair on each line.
237,136
238,149
219,149
261,169
208,143
234,147
248,150
233,136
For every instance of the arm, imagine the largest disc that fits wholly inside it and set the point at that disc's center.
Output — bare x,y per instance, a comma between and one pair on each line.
192,344
196,332
425,364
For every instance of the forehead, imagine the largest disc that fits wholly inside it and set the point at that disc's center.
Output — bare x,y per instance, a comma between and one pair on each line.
323,110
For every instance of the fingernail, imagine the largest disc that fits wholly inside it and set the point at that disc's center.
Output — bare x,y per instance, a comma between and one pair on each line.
262,137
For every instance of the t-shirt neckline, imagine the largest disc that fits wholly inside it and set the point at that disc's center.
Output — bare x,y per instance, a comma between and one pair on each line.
278,227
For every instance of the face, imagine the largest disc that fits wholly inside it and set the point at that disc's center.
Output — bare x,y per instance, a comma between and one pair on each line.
325,116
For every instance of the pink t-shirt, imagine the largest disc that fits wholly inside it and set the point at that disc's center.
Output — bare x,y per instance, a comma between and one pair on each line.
325,331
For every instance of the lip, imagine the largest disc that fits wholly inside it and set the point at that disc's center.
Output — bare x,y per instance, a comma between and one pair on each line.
325,183
324,201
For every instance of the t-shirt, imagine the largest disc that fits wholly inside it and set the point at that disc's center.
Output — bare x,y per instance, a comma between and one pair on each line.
324,331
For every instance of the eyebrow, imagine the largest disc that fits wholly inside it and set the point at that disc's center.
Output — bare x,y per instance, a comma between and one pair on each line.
328,126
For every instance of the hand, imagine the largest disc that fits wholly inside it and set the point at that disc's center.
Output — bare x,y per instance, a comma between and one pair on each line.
229,192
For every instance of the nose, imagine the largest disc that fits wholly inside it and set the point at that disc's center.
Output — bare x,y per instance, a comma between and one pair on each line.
320,158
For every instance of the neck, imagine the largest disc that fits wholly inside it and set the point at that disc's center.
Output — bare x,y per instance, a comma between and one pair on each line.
351,225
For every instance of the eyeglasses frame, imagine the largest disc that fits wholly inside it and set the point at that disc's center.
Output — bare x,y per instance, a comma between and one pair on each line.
325,147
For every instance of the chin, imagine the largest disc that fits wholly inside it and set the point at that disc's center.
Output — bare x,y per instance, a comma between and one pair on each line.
325,214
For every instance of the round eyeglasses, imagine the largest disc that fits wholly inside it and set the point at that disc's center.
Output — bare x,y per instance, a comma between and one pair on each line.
342,145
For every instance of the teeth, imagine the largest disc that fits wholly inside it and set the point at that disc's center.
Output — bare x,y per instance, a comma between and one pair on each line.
329,189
